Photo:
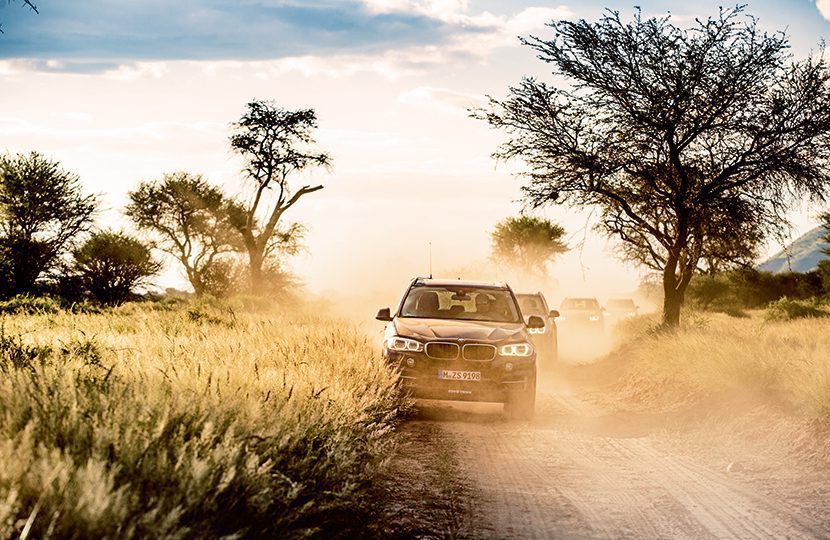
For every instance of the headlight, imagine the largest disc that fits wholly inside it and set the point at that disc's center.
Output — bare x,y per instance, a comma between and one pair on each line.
401,344
516,349
591,318
537,330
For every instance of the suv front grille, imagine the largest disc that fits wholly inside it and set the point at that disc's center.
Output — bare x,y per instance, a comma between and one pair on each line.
481,353
442,351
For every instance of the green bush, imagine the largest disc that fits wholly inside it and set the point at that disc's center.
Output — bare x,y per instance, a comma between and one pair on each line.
787,309
30,305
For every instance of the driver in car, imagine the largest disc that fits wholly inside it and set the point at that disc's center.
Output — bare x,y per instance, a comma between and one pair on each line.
483,305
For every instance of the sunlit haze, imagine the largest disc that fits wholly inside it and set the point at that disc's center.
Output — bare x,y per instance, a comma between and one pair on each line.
123,92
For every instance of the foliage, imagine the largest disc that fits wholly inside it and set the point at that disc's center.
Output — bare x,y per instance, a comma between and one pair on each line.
528,242
824,222
786,362
43,213
29,305
152,427
275,143
192,221
787,309
748,288
110,265
692,142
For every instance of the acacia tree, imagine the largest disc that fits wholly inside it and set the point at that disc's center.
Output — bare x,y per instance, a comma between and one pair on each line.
109,265
191,220
528,242
43,214
276,144
692,142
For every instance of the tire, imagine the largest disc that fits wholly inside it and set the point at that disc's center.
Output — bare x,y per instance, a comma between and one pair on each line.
522,405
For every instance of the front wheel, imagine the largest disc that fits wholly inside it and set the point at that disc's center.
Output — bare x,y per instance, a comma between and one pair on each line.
522,405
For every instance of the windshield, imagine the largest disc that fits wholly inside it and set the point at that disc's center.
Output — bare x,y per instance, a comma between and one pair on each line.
460,302
531,304
621,304
580,303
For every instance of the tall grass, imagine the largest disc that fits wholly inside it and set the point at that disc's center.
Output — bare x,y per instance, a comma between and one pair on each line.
188,423
783,362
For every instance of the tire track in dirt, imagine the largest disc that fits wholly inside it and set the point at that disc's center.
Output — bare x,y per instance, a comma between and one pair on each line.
562,477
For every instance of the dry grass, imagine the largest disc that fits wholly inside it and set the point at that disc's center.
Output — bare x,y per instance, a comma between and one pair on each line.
189,422
785,363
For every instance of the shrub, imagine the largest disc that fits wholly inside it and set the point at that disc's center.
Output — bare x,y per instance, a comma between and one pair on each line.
30,305
111,264
787,309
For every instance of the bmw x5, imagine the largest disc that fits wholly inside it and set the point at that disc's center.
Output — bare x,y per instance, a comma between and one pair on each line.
463,340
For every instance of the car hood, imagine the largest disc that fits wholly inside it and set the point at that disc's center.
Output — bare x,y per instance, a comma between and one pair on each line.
428,329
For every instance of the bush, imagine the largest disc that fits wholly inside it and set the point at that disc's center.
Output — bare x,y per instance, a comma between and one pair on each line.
747,288
787,309
110,265
30,305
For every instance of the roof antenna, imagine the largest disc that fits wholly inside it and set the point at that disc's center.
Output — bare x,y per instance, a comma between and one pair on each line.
430,260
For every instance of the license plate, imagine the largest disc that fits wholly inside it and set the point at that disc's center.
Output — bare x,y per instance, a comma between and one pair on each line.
452,375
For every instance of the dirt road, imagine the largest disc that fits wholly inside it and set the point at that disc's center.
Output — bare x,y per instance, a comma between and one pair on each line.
578,471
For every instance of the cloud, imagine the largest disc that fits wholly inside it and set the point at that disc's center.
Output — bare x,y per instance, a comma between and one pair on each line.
331,38
443,99
152,30
99,35
824,8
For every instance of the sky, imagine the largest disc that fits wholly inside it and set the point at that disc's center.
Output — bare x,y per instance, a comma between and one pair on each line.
120,92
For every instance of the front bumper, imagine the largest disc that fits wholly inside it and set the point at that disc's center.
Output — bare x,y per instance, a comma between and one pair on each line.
496,384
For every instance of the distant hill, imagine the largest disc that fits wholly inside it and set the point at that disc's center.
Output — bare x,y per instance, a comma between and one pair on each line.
804,254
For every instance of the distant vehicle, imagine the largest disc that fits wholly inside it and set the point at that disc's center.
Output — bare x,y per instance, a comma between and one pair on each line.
545,339
621,308
582,313
463,340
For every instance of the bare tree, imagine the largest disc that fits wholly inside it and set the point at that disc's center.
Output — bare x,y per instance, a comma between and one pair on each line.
275,144
692,142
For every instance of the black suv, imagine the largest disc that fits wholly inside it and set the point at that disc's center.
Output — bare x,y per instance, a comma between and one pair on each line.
463,340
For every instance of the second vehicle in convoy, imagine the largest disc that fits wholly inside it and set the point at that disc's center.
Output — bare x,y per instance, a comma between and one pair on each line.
463,340
545,338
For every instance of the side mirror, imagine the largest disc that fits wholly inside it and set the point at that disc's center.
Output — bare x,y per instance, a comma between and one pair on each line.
384,315
553,314
535,322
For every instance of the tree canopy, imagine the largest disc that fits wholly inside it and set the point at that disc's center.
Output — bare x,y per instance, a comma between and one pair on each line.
191,220
528,243
692,142
110,265
43,214
276,144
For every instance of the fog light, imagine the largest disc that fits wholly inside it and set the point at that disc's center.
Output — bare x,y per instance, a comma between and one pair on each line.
410,362
508,366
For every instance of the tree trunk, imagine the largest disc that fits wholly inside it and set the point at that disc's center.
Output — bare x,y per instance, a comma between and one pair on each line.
255,261
672,302
672,297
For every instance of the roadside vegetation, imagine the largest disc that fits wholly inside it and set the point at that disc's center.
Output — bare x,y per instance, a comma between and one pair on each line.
188,420
778,358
